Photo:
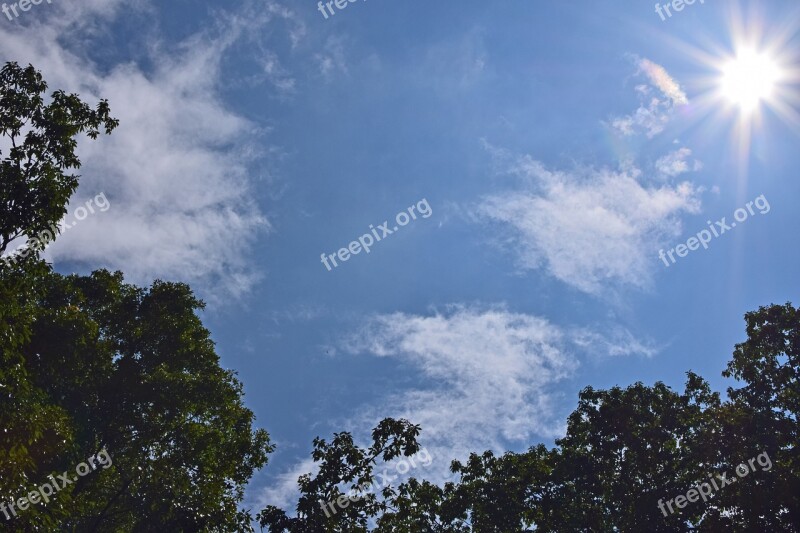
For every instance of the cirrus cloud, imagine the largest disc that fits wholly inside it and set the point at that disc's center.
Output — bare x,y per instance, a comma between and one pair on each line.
654,112
591,229
179,171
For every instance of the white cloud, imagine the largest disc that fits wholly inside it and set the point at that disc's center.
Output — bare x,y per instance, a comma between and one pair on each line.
178,170
676,163
492,375
659,77
283,492
593,229
650,120
653,113
332,59
619,343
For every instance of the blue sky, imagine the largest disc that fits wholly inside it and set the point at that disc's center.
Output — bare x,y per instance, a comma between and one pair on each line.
559,147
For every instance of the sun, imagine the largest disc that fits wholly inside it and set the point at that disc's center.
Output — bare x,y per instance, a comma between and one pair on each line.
749,79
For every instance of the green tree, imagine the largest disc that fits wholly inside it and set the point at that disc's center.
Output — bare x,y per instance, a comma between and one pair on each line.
337,498
762,416
135,372
624,451
34,191
90,363
34,184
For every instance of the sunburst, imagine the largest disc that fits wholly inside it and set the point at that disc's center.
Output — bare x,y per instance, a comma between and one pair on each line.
750,79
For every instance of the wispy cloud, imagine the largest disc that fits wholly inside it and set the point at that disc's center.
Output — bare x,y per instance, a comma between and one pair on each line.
659,77
650,119
618,343
178,171
654,112
676,163
592,229
492,375
283,492
332,60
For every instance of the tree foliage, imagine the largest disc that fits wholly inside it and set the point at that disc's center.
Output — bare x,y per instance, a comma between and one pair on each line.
34,184
90,362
